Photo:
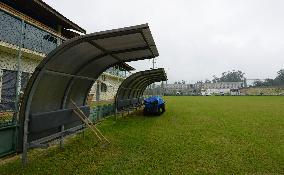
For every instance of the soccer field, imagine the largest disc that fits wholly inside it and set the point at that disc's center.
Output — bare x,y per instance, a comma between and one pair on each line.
215,135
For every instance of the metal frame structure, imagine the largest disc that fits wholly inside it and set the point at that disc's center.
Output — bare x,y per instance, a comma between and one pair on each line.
68,73
130,92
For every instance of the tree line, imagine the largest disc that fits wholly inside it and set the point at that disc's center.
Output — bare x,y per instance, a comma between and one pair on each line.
239,76
277,81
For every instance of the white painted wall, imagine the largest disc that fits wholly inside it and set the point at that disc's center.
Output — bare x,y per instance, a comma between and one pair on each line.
215,91
218,92
112,84
8,61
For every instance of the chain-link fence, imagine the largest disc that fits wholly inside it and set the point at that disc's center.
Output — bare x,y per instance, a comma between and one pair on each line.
20,33
99,112
17,35
33,38
8,103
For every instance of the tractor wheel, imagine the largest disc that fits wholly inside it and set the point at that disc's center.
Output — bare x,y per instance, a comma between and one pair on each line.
145,112
159,112
163,108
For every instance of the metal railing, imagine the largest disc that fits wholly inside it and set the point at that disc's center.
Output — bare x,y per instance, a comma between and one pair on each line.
33,38
99,112
117,72
22,34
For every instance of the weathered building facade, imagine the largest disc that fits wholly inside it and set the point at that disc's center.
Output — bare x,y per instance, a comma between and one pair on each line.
178,89
105,88
29,31
222,88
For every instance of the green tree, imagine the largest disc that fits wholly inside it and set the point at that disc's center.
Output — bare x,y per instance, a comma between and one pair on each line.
258,83
215,79
268,82
230,76
207,81
279,80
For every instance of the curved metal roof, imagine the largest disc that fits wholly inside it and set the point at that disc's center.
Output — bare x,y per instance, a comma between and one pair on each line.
68,73
134,86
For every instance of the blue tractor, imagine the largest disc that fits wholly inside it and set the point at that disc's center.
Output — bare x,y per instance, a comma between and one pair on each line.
154,105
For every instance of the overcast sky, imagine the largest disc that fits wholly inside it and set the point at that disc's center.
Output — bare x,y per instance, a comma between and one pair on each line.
196,39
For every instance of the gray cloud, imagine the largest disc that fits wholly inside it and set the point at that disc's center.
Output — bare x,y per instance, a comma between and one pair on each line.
195,39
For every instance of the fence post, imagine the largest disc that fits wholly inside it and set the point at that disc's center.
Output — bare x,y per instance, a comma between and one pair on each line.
98,92
19,72
18,89
1,81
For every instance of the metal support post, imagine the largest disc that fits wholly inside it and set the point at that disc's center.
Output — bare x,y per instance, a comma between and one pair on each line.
18,88
98,92
19,72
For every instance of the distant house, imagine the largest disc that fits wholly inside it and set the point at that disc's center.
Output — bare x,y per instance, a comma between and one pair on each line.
105,88
178,89
221,88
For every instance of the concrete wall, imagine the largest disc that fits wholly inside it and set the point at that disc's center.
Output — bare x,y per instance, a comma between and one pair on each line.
215,91
263,91
224,91
112,83
8,61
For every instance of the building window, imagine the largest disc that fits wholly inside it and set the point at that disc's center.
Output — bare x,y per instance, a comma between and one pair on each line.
8,88
103,77
103,87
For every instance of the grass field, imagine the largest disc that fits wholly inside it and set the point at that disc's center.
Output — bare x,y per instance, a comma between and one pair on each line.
196,135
